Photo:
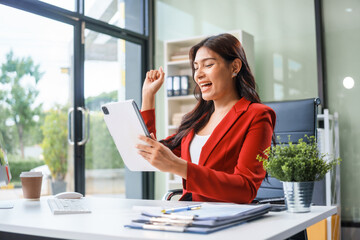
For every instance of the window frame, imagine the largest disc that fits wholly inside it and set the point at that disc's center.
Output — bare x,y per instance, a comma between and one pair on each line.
142,182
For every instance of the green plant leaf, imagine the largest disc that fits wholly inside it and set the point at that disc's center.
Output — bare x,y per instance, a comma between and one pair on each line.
301,162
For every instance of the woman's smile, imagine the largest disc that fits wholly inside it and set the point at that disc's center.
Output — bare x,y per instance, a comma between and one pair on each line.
205,86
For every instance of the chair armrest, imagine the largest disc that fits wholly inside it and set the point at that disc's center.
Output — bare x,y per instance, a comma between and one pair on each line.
171,193
277,204
280,200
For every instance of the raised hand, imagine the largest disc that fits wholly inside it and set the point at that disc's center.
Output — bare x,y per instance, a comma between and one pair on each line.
153,81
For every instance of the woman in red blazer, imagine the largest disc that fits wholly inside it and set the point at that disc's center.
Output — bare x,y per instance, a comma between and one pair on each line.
236,126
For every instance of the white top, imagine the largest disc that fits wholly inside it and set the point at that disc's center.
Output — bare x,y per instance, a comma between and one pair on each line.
109,215
196,146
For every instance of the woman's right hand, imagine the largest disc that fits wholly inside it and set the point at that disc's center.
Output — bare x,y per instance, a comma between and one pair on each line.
153,81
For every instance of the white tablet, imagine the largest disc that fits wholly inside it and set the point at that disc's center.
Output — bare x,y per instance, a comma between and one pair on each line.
125,124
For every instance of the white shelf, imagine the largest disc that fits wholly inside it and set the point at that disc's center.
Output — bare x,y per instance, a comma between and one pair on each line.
177,98
183,63
176,181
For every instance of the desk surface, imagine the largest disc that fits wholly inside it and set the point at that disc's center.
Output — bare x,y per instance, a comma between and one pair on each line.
109,215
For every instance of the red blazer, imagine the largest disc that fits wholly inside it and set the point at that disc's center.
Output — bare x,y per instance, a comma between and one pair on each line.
228,170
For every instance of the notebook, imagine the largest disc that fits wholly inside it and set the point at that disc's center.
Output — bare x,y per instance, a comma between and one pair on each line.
125,124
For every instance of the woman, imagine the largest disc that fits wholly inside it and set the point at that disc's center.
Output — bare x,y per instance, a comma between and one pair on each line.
215,148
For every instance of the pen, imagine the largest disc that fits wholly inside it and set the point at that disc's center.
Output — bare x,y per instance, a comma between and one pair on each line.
180,209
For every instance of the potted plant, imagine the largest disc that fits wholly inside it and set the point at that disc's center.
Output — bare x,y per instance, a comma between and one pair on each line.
55,148
298,166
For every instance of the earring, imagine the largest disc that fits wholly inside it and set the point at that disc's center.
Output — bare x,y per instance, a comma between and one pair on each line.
234,74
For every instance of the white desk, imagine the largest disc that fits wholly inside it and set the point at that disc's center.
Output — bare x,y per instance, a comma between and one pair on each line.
109,215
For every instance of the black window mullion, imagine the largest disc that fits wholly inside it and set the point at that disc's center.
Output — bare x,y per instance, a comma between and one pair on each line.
115,31
148,63
320,53
79,151
79,6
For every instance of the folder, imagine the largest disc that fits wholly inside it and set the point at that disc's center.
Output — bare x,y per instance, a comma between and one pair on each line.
184,85
210,218
176,85
169,86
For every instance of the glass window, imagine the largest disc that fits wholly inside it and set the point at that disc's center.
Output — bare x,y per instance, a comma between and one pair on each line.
127,14
284,40
36,56
46,48
108,78
67,4
283,31
342,37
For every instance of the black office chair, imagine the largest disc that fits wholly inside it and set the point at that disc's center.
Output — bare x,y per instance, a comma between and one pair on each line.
294,119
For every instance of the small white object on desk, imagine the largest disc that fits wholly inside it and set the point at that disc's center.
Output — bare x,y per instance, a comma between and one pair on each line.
69,195
6,205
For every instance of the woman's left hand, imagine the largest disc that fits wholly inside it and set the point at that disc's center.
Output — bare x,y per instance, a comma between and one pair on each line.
161,156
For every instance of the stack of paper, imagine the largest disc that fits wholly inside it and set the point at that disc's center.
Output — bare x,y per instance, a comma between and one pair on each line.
206,219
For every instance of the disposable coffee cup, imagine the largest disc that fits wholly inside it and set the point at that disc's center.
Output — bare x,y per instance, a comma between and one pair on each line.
31,184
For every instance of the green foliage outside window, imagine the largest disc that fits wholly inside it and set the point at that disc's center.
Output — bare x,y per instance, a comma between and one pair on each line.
100,150
55,145
21,76
301,162
2,157
94,103
7,133
18,164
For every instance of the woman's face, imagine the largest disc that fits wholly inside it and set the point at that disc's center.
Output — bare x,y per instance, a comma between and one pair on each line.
214,75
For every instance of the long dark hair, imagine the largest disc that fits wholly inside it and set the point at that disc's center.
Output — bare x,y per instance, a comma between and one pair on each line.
229,48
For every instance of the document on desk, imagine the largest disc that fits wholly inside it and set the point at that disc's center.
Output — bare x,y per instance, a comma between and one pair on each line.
125,124
207,219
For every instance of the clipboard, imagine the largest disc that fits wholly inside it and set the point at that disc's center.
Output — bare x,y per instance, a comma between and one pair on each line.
125,124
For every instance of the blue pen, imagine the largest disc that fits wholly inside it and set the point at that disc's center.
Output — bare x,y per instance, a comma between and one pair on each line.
180,209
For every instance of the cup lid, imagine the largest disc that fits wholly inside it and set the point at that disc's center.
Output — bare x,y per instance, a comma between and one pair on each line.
31,174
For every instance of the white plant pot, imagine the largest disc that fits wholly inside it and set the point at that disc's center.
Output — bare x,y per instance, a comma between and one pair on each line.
298,196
